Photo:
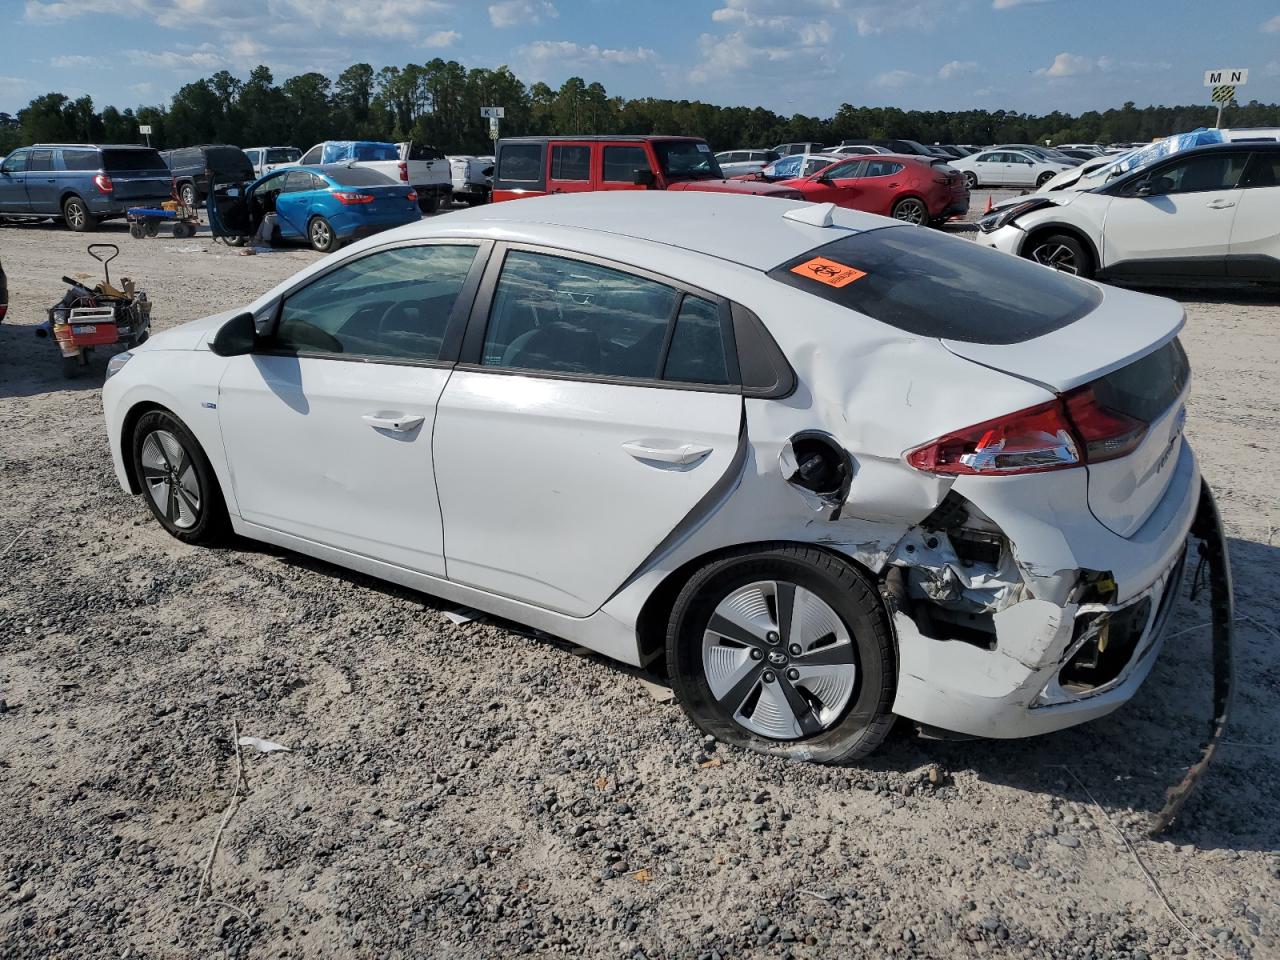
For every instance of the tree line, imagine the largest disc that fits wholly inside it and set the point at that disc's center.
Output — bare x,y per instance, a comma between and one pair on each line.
439,103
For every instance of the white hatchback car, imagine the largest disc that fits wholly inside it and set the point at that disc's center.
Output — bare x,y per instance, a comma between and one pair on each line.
1206,213
825,467
1007,168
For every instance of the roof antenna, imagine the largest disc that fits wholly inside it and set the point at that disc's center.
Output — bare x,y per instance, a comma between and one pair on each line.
817,214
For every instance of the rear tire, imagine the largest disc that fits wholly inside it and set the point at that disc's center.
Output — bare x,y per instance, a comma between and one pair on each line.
971,180
429,203
815,686
1044,178
77,215
320,233
187,194
911,210
1061,252
177,480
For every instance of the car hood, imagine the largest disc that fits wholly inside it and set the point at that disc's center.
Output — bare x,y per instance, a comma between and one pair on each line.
1122,328
191,335
757,187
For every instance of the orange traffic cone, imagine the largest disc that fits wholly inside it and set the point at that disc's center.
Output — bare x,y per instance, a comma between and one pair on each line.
989,206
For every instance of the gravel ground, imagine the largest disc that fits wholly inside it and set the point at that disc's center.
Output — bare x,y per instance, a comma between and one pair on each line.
472,791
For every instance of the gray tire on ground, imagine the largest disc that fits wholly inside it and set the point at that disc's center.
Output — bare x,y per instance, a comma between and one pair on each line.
866,719
75,212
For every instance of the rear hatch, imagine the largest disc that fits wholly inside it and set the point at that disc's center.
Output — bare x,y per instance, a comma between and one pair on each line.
1036,324
137,174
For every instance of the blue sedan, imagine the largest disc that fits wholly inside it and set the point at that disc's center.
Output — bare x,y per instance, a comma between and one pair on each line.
325,205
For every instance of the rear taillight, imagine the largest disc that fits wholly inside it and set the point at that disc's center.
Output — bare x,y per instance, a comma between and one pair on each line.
411,196
404,171
1070,431
1106,433
350,198
103,183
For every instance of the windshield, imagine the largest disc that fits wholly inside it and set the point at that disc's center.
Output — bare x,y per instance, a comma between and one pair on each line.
687,160
282,155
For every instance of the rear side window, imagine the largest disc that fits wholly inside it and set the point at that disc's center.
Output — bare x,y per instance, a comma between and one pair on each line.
933,285
1264,170
41,160
570,163
519,167
697,352
882,168
126,161
392,305
621,163
80,159
1212,171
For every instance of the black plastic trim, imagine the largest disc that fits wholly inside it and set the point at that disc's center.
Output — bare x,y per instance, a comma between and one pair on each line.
763,368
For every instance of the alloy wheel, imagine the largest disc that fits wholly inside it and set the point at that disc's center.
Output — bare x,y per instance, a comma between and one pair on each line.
189,195
779,660
75,215
1056,255
320,234
169,475
911,211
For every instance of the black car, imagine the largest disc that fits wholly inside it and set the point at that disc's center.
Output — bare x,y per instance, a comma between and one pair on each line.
897,146
4,293
81,183
196,168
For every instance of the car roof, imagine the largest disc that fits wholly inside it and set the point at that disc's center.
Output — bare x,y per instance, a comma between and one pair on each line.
749,230
602,138
97,146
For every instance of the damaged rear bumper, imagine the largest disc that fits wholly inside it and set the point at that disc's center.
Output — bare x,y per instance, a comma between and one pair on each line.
1043,663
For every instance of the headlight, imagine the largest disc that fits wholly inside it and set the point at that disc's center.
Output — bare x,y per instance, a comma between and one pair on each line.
116,363
1006,215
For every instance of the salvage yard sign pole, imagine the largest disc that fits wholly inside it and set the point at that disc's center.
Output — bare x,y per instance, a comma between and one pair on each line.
494,114
1223,83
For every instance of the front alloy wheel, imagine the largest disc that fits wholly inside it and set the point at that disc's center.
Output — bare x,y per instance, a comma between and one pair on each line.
1062,252
779,660
169,477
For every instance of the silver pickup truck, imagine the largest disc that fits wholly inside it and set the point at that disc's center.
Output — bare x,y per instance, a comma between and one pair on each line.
472,179
423,168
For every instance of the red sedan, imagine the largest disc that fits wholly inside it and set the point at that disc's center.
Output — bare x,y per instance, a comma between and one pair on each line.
913,189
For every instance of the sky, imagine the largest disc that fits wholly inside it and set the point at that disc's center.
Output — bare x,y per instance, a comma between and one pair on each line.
792,56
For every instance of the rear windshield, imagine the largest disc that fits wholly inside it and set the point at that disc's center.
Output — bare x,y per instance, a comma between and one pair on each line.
418,151
126,160
376,151
519,166
282,155
933,285
357,176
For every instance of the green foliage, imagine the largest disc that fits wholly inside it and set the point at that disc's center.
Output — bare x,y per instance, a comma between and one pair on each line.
439,103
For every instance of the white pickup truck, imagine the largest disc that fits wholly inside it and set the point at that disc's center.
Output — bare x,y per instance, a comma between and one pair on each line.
472,179
423,168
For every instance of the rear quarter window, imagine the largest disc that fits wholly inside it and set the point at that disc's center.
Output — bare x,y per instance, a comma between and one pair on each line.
126,161
80,159
932,285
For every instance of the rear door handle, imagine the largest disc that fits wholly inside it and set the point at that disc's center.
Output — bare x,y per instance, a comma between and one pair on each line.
395,422
1221,204
685,453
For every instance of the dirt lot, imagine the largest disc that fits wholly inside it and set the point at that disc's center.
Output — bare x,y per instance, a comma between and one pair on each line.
470,791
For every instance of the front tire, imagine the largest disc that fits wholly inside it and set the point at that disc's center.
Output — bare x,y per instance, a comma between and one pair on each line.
187,194
1061,252
177,479
77,215
321,234
784,650
971,180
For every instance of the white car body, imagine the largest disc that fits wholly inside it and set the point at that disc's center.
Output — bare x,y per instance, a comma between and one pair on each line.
1228,229
261,158
999,167
859,150
735,163
571,503
472,178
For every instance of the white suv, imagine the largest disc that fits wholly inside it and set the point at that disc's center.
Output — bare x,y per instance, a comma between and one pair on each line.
1208,213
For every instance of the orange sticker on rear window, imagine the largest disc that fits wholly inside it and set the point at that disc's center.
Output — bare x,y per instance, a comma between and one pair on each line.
829,272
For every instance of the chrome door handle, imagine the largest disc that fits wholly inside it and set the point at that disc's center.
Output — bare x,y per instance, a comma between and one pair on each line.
685,453
395,422
1221,204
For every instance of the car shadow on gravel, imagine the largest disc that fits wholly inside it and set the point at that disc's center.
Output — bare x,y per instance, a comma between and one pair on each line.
31,366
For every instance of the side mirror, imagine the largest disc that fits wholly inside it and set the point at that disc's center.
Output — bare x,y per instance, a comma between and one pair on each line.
237,337
644,178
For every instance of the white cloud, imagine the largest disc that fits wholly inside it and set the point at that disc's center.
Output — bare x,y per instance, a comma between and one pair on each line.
872,17
204,57
1010,4
441,39
512,13
956,68
771,32
896,79
567,53
73,60
144,89
1271,26
1067,65
1272,69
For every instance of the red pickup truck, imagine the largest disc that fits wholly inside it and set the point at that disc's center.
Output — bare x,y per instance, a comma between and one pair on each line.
536,166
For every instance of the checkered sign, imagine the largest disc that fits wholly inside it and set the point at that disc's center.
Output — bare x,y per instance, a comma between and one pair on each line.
1224,94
